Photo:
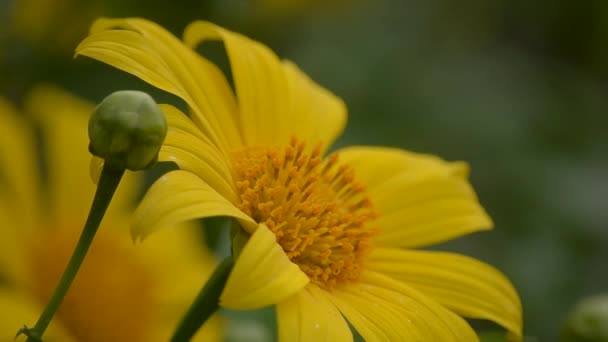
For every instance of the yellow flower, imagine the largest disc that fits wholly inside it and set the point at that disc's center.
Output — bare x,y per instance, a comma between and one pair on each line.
326,237
122,292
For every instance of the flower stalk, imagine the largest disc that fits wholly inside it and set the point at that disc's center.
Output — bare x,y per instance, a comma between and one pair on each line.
205,304
108,182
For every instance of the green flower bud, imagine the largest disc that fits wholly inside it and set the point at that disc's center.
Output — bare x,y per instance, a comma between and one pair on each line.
588,322
127,130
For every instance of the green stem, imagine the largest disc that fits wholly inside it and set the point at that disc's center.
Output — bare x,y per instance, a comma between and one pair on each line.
205,304
108,182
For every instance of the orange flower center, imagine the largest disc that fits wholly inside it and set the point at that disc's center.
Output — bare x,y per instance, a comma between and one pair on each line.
111,298
316,209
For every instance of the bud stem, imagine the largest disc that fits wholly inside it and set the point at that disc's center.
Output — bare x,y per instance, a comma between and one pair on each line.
205,304
108,183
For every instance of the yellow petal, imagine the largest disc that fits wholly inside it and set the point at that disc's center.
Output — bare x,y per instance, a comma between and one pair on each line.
151,53
193,152
276,100
381,309
64,118
318,115
259,81
18,169
375,164
310,316
13,262
262,275
17,310
422,200
179,196
462,284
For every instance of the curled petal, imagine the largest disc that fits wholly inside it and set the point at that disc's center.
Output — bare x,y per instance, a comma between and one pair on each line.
262,275
192,151
151,53
180,196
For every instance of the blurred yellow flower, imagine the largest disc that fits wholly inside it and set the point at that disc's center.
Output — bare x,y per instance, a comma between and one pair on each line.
123,292
327,237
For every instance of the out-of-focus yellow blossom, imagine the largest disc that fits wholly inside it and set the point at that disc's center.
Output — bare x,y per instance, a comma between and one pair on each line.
326,238
122,292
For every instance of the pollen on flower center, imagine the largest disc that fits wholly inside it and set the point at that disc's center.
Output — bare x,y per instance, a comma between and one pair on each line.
318,212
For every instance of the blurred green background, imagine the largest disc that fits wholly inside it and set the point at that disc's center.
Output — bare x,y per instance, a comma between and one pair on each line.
516,88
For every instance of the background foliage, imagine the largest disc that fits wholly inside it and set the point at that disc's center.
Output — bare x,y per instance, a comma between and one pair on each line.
517,88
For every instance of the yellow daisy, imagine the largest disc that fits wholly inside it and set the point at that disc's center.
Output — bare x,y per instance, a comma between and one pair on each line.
121,293
326,237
